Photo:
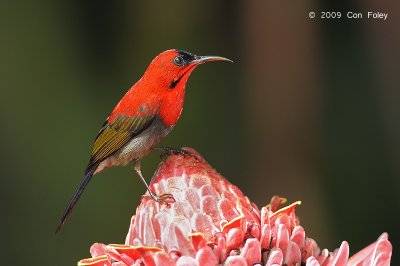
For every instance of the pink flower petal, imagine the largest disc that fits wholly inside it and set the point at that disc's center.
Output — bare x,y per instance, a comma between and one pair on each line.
341,256
202,223
370,254
322,258
275,257
235,261
255,231
266,236
197,240
234,239
161,258
97,249
186,261
227,210
208,205
223,249
293,254
282,238
251,251
298,236
237,222
310,248
206,257
383,259
98,261
312,261
283,219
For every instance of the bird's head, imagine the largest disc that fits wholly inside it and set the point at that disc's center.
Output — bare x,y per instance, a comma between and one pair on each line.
172,68
165,80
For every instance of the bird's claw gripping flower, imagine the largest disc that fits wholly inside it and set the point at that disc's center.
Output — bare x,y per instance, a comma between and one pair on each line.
166,199
213,223
144,116
166,151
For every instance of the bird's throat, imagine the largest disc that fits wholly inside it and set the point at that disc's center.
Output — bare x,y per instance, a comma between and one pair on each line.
187,72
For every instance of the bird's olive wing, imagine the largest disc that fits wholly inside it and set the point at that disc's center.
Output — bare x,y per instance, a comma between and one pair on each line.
114,136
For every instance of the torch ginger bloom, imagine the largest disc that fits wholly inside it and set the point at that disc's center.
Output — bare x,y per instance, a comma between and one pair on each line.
213,223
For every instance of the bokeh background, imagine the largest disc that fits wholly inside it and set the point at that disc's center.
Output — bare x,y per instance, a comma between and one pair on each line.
309,110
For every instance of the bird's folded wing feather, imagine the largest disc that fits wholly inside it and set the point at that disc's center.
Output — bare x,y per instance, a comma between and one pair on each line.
114,136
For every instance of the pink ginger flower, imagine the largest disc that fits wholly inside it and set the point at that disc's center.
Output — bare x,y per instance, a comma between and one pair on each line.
213,223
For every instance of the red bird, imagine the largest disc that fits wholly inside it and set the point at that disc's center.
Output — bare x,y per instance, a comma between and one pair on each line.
145,115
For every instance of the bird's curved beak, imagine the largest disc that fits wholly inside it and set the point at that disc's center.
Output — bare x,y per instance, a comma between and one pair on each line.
209,58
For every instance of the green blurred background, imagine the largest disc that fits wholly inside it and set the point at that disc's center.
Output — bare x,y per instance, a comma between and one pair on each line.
309,111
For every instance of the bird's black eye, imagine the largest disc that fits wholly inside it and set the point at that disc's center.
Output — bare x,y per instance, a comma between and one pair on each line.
179,61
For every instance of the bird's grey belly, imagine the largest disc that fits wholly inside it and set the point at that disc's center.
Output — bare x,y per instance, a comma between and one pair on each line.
138,146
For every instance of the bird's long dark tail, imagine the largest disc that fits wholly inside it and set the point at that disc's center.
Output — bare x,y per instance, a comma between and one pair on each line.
77,195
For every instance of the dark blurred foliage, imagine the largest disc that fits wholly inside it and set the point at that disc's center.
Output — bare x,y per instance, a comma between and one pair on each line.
309,110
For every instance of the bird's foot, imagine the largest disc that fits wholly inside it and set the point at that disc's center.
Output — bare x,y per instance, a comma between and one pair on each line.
165,151
163,198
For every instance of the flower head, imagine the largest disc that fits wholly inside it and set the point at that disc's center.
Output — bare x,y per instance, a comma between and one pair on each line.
213,223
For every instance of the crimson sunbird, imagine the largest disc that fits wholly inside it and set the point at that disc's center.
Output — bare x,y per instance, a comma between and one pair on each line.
145,115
